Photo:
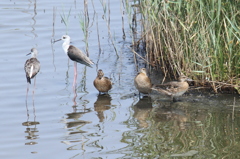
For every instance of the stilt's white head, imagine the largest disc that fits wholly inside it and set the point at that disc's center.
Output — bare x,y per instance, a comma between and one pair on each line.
33,53
66,43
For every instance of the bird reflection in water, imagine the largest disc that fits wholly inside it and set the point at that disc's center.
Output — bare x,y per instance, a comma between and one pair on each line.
73,121
74,99
165,112
103,103
75,117
75,126
31,127
76,121
141,111
81,88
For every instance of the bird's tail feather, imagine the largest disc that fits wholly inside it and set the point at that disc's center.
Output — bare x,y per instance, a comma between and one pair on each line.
29,80
162,91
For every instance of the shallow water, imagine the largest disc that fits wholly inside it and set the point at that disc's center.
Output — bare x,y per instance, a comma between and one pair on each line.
54,123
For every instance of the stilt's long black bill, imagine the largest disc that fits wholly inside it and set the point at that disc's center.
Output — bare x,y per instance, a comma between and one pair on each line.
56,40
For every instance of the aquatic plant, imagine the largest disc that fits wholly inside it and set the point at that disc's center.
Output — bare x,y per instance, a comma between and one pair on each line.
84,24
106,17
65,18
197,38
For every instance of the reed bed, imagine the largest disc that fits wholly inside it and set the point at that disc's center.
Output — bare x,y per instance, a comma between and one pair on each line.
197,38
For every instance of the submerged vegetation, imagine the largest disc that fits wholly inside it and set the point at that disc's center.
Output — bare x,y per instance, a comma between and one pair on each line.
200,39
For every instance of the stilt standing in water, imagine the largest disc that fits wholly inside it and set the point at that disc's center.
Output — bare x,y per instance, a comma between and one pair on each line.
101,83
75,55
32,67
142,82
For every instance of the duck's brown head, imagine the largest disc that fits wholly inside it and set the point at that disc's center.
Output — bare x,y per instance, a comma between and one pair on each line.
184,78
143,70
100,74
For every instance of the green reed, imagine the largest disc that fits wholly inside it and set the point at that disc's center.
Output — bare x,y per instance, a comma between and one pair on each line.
106,17
65,18
84,24
197,38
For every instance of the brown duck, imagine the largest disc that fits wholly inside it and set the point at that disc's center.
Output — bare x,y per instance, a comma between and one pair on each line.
174,88
142,82
101,83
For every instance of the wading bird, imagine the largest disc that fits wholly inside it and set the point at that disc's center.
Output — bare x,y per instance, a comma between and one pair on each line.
75,55
32,67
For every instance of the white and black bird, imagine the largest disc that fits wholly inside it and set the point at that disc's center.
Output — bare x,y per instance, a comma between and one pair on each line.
32,65
74,54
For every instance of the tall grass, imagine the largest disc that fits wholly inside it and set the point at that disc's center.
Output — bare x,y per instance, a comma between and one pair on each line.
84,24
197,38
65,18
106,17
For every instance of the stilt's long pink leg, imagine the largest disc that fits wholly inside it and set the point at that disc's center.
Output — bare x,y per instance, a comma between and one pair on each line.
27,90
75,75
34,87
74,84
